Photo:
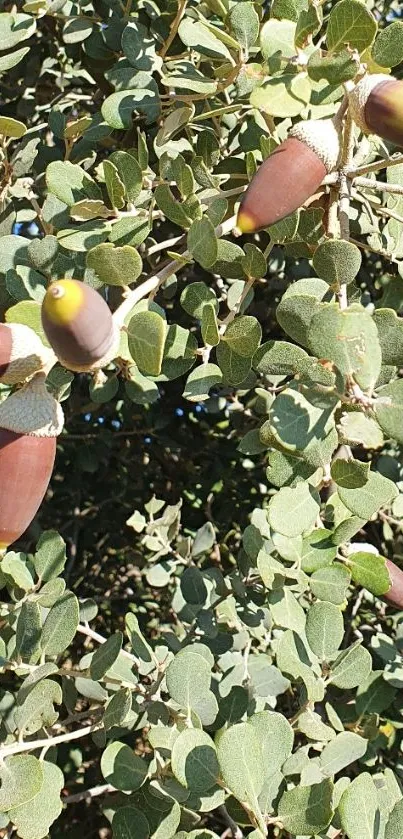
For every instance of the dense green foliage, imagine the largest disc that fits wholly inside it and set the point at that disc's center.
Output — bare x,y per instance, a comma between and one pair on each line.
194,635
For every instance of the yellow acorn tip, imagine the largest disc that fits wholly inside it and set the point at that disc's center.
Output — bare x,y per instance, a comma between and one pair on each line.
63,301
245,222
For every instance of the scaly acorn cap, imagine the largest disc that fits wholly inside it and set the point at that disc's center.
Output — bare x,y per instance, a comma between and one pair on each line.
323,137
32,410
376,104
79,326
22,353
290,175
358,98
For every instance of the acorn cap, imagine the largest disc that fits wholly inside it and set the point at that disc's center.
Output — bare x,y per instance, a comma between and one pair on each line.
32,410
358,98
22,353
79,326
322,136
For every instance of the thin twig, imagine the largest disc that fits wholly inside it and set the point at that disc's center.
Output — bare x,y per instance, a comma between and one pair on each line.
156,280
88,794
375,167
395,189
31,745
174,28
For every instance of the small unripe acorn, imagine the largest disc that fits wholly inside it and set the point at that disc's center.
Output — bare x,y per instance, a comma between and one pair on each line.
376,104
291,174
22,353
79,326
30,420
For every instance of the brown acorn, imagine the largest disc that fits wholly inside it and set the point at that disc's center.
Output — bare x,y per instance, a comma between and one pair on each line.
30,420
376,104
291,174
22,353
79,326
395,594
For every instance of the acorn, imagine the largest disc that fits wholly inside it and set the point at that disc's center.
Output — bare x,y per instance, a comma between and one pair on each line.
291,174
376,104
22,353
30,421
79,326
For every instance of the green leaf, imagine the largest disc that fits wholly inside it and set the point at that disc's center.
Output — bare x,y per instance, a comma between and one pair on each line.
376,493
394,825
308,24
390,331
194,760
28,631
12,128
202,244
370,571
337,261
235,368
117,109
122,768
60,625
324,629
34,818
130,823
36,709
189,677
350,23
115,266
388,409
21,778
276,738
254,262
130,231
348,338
241,762
114,185
70,183
307,810
117,709
304,503
84,237
200,381
282,96
277,37
229,260
13,565
375,694
174,210
14,28
358,808
387,50
356,428
105,656
197,36
209,325
278,358
331,583
146,336
346,748
350,474
335,68
351,667
12,59
50,556
244,23
286,611
130,173
195,296
318,550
